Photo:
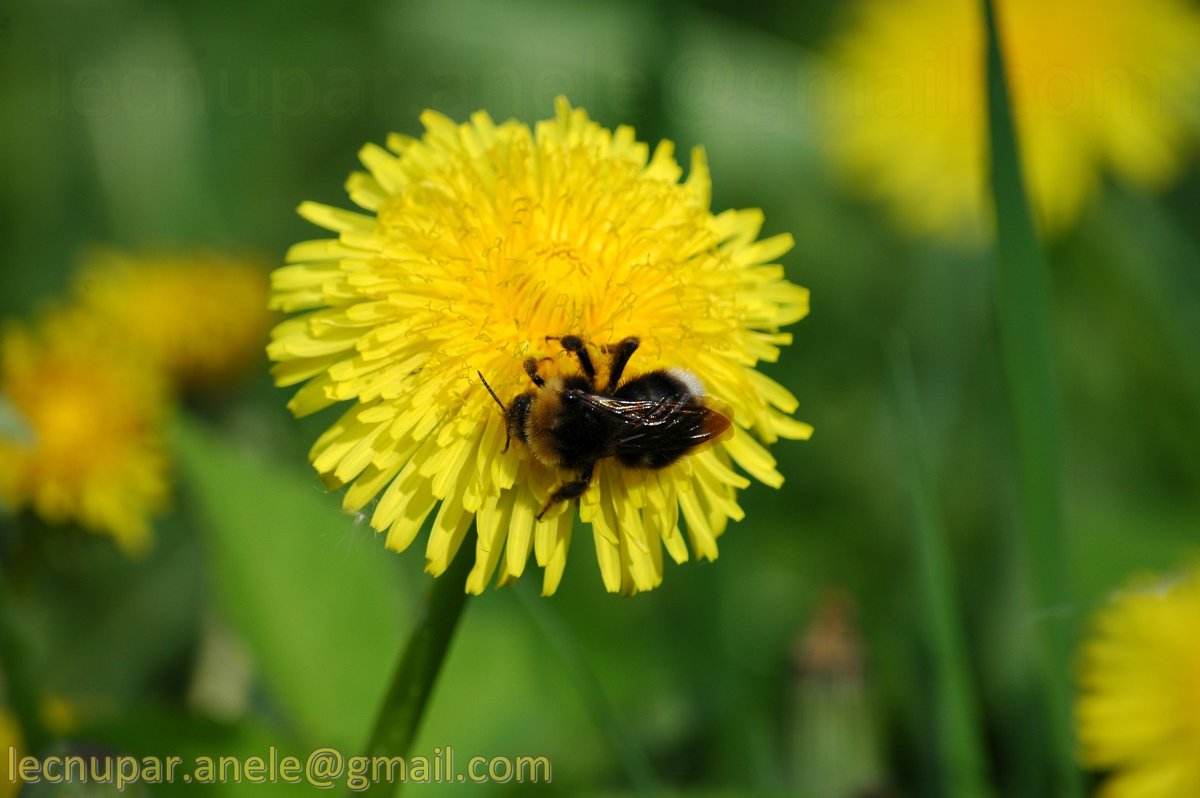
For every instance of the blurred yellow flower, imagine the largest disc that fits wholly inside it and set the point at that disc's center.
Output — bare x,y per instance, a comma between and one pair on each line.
1139,709
10,741
1107,85
81,440
201,318
480,241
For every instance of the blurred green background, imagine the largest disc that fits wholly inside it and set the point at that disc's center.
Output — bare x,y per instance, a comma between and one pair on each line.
266,616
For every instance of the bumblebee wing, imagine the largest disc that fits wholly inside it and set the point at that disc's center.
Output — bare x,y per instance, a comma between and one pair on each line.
667,424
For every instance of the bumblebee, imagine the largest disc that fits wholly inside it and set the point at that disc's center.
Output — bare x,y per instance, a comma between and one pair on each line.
571,422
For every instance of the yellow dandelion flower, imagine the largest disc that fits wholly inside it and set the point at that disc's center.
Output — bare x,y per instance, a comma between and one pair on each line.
480,241
1108,85
84,445
1138,713
201,318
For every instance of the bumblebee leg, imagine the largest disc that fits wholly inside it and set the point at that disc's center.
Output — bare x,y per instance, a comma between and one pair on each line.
573,343
621,354
531,370
570,490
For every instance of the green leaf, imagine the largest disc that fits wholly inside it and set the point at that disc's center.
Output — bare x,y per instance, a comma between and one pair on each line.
958,729
1024,311
315,595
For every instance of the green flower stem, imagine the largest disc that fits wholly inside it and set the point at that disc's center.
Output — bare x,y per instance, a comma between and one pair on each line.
1024,311
958,729
24,694
417,670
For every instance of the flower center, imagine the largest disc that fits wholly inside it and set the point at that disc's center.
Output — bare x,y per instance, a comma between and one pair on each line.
62,417
561,288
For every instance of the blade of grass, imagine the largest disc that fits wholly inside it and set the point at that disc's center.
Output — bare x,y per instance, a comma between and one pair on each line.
1024,313
959,741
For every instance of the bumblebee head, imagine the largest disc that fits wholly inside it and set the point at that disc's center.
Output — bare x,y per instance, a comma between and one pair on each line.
515,414
526,411
516,417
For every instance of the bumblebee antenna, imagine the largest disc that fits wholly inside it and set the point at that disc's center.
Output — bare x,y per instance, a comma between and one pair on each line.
503,412
493,393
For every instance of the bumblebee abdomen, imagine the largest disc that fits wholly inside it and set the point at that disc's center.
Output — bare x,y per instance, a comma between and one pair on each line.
676,430
685,430
675,384
651,459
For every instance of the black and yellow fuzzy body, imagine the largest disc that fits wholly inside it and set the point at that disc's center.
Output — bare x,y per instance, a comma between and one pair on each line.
649,422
